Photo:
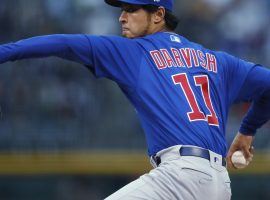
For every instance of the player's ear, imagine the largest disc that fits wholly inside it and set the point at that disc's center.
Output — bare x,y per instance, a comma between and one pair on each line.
159,15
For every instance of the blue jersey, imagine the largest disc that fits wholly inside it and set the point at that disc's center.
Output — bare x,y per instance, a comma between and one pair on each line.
181,91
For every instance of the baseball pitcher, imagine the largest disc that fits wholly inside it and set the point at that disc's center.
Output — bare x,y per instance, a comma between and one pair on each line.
182,93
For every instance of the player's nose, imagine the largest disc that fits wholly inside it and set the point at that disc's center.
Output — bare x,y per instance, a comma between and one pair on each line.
123,17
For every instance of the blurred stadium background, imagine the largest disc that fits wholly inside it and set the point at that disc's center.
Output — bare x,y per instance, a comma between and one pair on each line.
65,135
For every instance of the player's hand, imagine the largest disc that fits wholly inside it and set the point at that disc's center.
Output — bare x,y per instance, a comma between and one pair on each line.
241,143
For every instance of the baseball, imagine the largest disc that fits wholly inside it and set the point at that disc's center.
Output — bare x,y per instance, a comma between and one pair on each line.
239,161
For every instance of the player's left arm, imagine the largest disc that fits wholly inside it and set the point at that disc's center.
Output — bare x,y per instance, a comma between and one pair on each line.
256,89
74,47
113,57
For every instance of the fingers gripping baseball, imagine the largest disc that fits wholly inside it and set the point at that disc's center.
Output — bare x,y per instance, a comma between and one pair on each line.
241,143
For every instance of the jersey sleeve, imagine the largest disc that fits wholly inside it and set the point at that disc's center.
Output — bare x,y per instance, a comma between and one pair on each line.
116,58
72,47
248,82
113,57
235,72
256,88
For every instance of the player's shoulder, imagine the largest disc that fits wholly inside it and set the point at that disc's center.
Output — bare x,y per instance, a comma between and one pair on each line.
188,43
113,42
221,56
224,59
110,38
174,39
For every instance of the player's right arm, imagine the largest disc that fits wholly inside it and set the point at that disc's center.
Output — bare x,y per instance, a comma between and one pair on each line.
255,89
243,143
248,82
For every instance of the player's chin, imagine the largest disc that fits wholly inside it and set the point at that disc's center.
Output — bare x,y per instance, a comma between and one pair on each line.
128,34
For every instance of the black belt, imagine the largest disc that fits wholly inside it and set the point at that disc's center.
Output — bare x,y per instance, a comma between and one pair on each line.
191,151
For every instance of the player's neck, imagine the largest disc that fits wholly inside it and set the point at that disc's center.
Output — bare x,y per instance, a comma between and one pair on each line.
161,28
166,30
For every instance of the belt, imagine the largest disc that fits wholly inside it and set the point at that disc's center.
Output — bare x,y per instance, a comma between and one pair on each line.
191,151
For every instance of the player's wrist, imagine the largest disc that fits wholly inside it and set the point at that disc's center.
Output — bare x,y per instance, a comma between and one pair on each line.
247,130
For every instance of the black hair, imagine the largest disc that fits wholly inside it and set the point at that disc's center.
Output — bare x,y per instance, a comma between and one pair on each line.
170,19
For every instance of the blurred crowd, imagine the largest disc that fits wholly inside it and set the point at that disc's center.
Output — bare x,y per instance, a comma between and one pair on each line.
240,27
55,104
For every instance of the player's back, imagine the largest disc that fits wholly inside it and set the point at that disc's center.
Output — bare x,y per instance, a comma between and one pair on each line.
182,91
182,96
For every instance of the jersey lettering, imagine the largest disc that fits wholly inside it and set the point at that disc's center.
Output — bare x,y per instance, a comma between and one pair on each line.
202,58
167,57
187,57
158,59
196,114
203,82
177,57
195,58
211,62
184,57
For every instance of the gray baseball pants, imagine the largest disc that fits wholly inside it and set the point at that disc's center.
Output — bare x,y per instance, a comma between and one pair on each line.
179,178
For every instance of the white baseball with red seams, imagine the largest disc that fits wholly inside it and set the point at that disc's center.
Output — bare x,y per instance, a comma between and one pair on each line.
239,161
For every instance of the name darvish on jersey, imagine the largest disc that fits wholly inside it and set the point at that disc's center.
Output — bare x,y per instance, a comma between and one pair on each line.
181,91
